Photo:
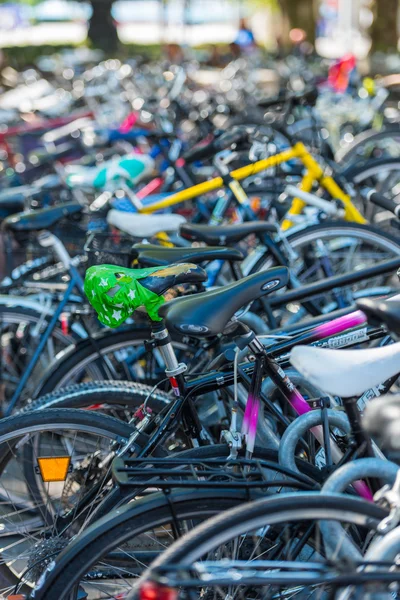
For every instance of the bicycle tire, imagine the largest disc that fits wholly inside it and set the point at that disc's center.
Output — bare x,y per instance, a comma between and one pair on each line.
314,231
370,173
18,426
115,529
14,315
77,356
352,151
258,514
97,393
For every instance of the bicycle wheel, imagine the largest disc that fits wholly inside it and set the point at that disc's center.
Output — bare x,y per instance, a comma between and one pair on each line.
111,554
20,332
370,144
49,461
383,176
118,399
335,248
276,531
144,532
123,356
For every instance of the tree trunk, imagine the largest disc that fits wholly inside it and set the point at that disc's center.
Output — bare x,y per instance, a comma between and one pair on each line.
384,32
102,31
301,14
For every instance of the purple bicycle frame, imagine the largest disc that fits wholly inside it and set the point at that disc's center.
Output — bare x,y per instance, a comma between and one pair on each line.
296,400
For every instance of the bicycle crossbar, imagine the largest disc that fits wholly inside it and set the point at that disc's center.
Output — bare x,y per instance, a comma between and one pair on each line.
307,291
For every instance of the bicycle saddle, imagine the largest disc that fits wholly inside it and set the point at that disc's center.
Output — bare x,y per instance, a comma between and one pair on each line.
208,313
13,200
382,312
165,278
221,235
143,226
130,168
346,373
150,255
35,220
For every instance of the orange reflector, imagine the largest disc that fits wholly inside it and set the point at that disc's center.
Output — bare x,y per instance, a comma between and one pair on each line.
255,203
54,468
16,597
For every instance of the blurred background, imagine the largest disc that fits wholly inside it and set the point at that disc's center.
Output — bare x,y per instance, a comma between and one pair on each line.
212,31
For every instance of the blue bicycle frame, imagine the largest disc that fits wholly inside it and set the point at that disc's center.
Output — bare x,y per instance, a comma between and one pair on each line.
76,281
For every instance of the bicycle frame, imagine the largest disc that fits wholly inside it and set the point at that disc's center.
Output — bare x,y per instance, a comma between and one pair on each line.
186,389
266,363
313,173
75,282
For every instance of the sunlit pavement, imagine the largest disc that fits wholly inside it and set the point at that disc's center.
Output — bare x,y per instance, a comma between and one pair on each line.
154,33
140,33
44,33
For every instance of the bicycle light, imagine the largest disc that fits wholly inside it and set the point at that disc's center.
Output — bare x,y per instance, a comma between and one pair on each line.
152,590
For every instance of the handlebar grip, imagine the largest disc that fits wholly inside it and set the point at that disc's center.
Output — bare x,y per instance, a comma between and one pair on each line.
219,143
308,97
229,138
281,98
384,202
200,152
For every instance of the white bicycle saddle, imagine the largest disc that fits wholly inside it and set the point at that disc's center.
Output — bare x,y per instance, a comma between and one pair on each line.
346,373
143,226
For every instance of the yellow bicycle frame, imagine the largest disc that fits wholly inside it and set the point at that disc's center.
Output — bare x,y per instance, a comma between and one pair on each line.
313,173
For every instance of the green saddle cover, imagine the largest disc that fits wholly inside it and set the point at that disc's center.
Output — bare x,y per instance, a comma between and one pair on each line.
116,292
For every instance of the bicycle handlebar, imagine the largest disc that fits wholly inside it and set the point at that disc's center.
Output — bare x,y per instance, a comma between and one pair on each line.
384,202
308,96
220,143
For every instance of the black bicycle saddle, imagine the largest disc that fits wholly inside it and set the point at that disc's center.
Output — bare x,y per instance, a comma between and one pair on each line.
208,313
221,235
14,199
164,279
150,255
35,220
381,312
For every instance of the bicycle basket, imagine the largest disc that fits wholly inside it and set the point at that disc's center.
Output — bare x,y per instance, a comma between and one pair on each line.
108,248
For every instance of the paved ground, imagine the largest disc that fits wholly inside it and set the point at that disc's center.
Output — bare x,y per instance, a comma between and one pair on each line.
141,33
151,33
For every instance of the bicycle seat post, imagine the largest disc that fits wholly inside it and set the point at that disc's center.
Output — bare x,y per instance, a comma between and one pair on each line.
173,369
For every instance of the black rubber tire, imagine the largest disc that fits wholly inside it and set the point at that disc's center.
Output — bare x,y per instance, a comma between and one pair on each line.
82,395
122,524
134,519
350,155
248,517
83,351
30,420
37,420
328,226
